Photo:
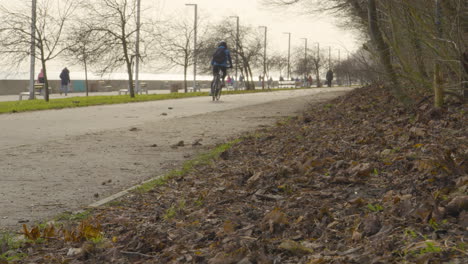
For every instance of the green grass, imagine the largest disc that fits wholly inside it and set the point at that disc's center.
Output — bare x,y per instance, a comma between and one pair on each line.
71,102
69,216
9,242
203,159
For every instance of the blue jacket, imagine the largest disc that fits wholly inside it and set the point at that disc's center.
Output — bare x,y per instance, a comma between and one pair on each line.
226,59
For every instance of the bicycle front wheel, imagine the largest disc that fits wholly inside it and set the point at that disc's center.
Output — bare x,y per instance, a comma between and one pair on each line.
218,93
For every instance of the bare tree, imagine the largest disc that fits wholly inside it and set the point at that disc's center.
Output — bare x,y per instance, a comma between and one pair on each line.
277,62
175,45
50,31
84,47
249,50
113,22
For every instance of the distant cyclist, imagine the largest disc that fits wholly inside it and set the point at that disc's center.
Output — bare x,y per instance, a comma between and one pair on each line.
221,60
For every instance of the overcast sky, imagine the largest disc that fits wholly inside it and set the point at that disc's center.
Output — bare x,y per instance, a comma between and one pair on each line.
251,12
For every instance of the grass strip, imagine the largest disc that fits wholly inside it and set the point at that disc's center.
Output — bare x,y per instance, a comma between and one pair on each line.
202,159
84,101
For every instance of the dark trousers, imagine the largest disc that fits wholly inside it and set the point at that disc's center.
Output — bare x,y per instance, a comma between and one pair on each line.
216,69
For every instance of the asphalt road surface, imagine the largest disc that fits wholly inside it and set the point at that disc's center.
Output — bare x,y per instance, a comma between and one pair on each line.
63,160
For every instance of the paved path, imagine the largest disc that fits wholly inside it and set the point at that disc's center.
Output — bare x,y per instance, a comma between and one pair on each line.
60,160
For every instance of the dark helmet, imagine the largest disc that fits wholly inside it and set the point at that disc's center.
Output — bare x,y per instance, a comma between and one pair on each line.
222,43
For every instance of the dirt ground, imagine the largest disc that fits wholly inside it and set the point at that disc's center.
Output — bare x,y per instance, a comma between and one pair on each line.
72,164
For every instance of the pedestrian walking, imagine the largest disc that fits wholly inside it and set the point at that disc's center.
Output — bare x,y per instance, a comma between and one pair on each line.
65,81
329,77
40,77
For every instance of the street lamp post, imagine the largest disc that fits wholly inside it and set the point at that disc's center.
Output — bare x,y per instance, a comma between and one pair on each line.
194,47
305,57
339,62
264,57
329,57
137,50
289,54
237,49
33,50
347,71
317,73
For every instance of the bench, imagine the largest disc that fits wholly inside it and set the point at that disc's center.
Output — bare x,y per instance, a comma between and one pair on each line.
143,87
287,84
190,89
196,89
27,95
38,91
123,91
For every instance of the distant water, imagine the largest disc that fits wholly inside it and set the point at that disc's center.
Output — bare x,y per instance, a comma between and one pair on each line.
114,76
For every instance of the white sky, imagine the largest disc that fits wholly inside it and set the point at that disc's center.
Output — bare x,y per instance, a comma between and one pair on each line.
251,12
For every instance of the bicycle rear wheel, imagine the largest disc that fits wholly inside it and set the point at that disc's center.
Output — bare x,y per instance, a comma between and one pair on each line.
214,88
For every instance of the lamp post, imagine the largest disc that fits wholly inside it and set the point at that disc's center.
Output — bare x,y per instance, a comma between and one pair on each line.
33,50
347,71
237,48
194,47
339,65
137,51
305,57
329,57
264,57
289,54
317,73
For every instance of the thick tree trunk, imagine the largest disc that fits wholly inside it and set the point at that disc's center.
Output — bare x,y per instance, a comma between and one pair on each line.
86,76
46,81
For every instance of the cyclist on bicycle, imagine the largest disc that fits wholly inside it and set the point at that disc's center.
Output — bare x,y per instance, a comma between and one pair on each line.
221,60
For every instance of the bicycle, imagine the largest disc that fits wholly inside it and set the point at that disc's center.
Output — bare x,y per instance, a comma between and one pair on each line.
216,86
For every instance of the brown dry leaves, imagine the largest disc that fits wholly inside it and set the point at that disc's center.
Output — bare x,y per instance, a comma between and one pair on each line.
356,180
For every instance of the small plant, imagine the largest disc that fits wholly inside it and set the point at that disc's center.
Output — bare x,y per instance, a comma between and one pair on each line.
430,248
170,213
201,198
328,106
97,240
410,233
433,223
376,172
87,230
375,208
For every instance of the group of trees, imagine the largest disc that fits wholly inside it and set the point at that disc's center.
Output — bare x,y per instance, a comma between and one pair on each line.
98,33
101,35
403,40
407,42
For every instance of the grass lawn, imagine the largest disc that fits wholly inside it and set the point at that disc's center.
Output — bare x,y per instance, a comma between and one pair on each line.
40,104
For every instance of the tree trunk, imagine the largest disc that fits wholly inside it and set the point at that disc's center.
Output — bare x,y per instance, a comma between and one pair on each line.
130,79
185,79
384,51
86,76
416,43
438,89
129,66
46,81
317,76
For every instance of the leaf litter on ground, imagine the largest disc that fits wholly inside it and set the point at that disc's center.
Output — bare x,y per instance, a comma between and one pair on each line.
358,179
